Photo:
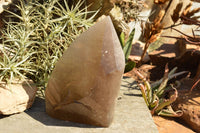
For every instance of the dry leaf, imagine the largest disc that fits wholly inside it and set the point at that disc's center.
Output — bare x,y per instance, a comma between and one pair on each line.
158,19
160,1
147,30
191,13
176,13
154,37
195,18
196,1
187,9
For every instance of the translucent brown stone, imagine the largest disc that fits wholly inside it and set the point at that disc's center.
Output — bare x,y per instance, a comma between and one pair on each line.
85,82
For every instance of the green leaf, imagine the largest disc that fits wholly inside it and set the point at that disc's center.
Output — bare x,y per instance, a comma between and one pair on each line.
128,46
122,39
169,112
129,66
157,83
142,88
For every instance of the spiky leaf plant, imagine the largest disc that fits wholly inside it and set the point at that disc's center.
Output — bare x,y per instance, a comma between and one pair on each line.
127,46
158,95
35,36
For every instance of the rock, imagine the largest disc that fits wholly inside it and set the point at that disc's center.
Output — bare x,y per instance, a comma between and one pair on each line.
16,97
170,126
189,104
85,82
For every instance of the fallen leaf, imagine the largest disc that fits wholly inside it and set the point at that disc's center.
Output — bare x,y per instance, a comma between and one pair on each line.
176,13
160,1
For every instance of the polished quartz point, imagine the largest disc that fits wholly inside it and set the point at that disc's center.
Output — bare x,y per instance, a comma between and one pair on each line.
84,85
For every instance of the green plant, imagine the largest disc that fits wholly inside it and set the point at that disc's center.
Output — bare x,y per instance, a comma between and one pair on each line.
36,35
127,46
158,95
16,56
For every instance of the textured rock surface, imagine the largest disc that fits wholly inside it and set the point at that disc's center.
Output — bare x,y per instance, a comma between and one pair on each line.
170,126
16,97
85,82
189,104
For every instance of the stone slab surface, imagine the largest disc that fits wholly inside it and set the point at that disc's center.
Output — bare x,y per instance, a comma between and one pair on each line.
131,116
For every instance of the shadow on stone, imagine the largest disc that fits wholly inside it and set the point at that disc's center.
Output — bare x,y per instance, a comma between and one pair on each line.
3,116
130,94
131,87
37,112
130,84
